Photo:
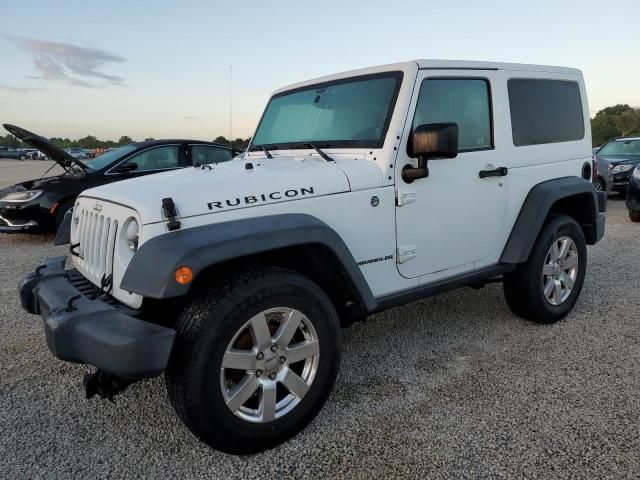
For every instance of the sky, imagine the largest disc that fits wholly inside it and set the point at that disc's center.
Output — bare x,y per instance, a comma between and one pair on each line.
162,68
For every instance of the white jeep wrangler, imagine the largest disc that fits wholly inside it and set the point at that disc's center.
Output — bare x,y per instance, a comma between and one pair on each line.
359,192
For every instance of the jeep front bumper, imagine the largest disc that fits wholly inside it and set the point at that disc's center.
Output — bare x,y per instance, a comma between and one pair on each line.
82,329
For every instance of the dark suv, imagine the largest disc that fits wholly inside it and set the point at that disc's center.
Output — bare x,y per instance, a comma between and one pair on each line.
622,155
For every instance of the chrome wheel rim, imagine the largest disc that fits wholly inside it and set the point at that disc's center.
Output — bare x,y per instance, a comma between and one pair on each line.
269,365
560,270
599,186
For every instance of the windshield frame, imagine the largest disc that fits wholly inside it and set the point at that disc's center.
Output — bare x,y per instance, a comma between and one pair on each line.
398,75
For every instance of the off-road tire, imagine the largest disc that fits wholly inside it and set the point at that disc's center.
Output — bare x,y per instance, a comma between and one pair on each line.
204,331
634,215
523,287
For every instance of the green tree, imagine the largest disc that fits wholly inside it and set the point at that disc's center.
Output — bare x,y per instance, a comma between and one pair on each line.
124,140
618,120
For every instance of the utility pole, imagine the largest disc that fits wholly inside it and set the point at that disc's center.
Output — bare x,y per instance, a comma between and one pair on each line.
231,103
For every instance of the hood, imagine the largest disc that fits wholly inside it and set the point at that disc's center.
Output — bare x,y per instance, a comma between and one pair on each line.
619,159
233,185
36,141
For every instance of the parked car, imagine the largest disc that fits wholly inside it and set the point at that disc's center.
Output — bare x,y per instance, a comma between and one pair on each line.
13,153
633,195
360,191
623,154
77,152
602,176
38,206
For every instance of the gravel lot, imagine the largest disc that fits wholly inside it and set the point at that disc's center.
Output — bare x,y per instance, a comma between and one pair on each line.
450,387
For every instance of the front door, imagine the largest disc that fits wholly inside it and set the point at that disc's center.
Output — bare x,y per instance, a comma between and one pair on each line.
451,219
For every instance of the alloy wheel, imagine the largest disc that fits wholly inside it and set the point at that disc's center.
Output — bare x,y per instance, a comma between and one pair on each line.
269,365
560,270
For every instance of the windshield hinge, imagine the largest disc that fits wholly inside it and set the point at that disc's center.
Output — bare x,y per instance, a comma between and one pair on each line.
169,210
405,196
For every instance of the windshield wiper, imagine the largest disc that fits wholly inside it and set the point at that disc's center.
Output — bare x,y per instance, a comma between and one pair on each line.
266,152
263,148
321,153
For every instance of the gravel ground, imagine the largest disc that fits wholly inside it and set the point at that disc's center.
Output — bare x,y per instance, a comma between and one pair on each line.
450,387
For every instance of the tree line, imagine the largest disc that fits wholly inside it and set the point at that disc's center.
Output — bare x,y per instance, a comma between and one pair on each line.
617,121
91,142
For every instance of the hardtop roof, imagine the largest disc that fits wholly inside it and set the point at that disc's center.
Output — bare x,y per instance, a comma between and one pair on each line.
437,64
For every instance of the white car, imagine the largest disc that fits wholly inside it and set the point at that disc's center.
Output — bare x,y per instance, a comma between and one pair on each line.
360,191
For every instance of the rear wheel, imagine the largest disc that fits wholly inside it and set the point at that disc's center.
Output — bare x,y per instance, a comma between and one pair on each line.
22,157
254,360
634,215
547,286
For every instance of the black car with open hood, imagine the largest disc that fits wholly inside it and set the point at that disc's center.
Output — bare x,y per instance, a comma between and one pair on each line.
38,206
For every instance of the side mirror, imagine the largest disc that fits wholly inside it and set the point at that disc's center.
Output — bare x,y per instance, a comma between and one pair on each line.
431,140
125,168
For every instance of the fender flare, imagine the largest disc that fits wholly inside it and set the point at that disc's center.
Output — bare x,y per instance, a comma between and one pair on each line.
537,206
151,270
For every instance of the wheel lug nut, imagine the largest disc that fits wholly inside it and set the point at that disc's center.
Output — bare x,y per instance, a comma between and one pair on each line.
258,373
274,348
260,356
272,376
282,359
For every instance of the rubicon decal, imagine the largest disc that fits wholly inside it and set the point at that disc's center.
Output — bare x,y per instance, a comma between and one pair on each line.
262,197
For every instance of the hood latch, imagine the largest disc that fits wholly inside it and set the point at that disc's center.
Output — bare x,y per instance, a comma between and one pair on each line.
169,210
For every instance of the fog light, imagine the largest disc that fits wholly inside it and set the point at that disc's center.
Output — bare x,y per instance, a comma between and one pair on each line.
183,275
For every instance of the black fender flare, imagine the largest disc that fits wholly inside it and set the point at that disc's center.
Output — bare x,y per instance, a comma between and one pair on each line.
537,206
151,270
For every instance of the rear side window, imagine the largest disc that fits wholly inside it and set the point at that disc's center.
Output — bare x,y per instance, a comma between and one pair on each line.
205,154
545,111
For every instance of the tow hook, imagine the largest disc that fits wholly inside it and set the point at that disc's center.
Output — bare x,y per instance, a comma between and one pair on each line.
104,384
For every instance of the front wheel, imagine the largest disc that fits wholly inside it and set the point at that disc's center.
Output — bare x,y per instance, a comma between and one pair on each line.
599,184
634,215
254,360
547,286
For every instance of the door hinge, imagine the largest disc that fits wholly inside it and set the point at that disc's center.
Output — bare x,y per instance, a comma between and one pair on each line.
405,253
405,196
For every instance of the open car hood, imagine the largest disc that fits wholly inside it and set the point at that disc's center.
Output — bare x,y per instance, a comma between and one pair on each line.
36,141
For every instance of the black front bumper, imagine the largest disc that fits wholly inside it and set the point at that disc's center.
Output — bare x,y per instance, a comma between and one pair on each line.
97,331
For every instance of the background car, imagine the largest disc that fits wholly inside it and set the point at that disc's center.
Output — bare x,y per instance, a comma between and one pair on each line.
602,176
623,154
633,195
77,152
38,206
13,153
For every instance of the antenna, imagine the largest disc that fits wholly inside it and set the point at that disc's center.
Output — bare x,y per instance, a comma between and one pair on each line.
231,103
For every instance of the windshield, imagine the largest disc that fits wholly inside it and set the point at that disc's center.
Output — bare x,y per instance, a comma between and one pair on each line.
352,112
621,148
109,157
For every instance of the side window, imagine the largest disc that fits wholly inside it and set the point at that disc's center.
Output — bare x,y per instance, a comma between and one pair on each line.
545,111
465,101
156,158
205,154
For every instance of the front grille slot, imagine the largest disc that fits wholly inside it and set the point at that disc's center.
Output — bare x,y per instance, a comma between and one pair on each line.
97,237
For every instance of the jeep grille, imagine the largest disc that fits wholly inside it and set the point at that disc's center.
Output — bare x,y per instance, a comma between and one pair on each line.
97,238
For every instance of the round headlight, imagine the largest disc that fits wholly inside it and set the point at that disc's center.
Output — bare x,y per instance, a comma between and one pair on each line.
133,234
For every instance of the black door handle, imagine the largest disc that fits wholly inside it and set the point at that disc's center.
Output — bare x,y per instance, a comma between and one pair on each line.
498,172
